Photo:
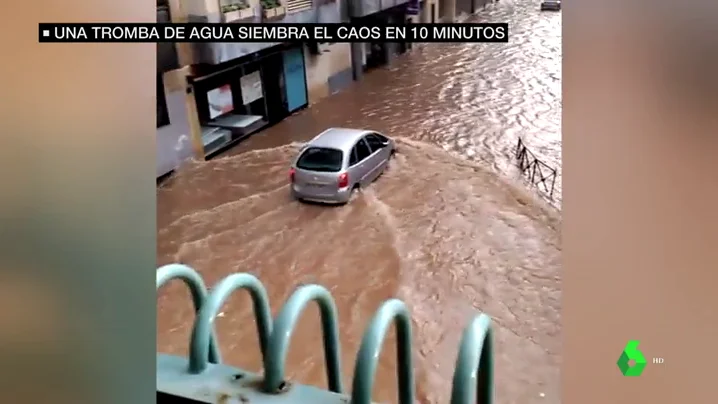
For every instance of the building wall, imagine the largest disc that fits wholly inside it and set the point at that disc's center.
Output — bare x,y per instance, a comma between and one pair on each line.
334,12
366,7
447,11
436,4
425,14
221,52
167,58
329,72
450,9
174,143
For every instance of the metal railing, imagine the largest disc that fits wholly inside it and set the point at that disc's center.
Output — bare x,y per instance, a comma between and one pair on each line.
537,172
202,377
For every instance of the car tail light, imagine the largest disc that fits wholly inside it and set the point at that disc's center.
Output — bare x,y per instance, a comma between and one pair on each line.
343,180
291,174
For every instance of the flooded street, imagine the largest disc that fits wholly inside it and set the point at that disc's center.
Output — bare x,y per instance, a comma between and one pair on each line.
450,228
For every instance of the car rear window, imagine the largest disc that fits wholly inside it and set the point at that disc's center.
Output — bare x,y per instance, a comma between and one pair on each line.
320,159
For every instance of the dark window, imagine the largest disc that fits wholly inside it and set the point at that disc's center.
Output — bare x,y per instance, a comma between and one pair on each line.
166,51
363,150
354,158
163,117
313,48
376,141
320,159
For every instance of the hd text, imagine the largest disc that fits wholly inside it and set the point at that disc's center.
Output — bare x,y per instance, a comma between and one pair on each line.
273,33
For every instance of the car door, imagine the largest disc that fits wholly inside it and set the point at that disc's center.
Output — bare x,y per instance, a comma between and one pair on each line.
380,153
359,163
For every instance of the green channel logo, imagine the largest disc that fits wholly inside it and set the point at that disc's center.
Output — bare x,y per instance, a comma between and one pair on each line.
631,353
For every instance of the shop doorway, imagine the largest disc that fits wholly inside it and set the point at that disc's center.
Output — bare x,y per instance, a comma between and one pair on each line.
274,88
295,79
375,55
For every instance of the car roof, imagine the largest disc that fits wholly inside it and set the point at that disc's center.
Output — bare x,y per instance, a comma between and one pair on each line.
338,138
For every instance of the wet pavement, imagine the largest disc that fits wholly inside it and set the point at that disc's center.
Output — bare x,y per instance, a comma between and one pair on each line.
450,228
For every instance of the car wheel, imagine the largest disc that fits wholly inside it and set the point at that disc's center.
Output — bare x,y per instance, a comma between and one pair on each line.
388,164
354,193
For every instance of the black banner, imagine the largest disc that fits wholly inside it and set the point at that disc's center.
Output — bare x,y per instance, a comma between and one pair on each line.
273,33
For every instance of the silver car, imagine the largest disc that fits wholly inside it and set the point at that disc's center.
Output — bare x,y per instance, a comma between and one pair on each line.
338,162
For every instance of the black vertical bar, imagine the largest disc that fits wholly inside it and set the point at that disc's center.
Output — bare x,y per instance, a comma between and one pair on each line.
518,148
533,172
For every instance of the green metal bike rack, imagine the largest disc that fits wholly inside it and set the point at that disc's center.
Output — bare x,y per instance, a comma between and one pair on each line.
365,366
202,378
201,333
282,333
197,289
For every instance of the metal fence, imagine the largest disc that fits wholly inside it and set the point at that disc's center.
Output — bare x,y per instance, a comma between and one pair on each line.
202,378
537,172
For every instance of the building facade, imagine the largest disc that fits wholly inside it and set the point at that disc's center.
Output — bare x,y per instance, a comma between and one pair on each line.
450,10
212,95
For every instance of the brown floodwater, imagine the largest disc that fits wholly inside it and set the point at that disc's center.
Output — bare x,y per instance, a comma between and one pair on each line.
451,229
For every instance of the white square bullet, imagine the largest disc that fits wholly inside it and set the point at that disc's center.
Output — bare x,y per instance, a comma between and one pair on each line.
45,32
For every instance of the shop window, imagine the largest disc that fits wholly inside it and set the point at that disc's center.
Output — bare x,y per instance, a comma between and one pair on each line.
163,117
220,101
